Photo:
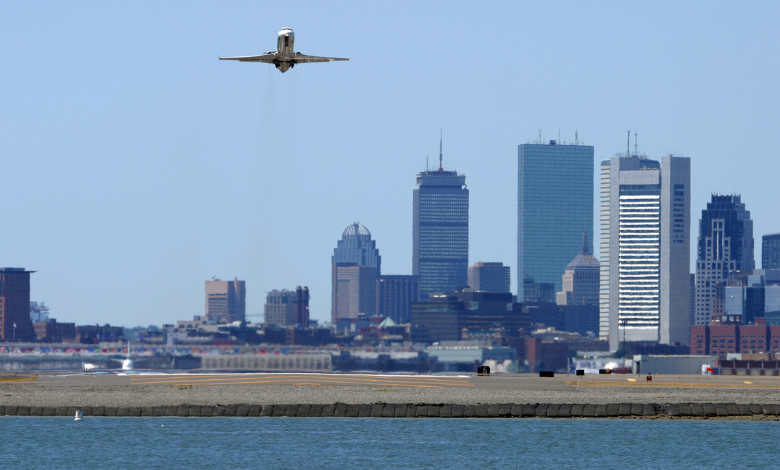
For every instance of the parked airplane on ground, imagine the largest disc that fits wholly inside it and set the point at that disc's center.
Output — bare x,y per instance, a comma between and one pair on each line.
284,57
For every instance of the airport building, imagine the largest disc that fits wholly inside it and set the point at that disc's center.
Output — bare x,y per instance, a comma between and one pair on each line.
645,250
554,206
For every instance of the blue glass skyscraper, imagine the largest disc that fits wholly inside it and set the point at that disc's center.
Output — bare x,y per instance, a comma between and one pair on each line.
554,206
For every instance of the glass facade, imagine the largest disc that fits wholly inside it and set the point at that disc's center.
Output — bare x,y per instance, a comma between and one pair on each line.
770,251
554,206
440,231
725,244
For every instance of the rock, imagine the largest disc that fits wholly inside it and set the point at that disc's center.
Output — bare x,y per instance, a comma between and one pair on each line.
516,411
122,411
529,411
230,410
576,410
400,410
291,411
36,411
637,409
108,411
422,411
744,410
685,409
721,410
756,409
481,411
219,410
541,410
205,411
504,411
601,411
564,411
445,411
649,410
697,410
673,409
146,411
624,409
470,411
50,410
733,409
411,411
376,410
457,411
242,410
304,411
183,411
434,411
314,412
589,411
11,410
552,410
493,411
134,412
388,410
25,411
709,409
328,410
612,410
254,410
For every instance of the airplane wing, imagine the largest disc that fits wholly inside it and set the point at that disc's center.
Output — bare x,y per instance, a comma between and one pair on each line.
265,58
305,59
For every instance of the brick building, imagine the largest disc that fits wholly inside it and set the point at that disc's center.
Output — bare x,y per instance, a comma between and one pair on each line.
720,340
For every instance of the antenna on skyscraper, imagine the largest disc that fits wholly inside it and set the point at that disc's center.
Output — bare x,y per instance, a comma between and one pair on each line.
441,168
628,144
576,139
636,152
426,163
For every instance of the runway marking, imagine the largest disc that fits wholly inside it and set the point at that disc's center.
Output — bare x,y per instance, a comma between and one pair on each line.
631,380
330,380
287,379
748,382
290,383
672,384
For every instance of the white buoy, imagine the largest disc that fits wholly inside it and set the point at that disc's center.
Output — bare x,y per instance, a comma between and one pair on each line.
79,416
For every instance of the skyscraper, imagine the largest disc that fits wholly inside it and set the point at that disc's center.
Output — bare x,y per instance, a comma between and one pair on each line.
725,244
645,250
580,279
554,206
440,230
225,301
279,307
395,295
489,277
15,323
770,251
356,266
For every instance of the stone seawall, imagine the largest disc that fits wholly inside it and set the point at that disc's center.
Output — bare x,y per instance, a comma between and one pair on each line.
423,410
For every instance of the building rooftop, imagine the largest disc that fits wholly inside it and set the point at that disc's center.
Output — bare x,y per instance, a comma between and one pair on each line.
584,259
356,229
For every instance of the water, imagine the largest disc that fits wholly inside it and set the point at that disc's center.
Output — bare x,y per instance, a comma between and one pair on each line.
334,443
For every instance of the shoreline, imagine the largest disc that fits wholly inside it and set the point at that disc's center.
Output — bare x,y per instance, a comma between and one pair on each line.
721,411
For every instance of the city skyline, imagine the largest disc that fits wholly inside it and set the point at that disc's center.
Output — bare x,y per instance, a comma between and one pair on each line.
124,158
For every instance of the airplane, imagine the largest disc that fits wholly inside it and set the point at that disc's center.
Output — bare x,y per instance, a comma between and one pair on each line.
284,57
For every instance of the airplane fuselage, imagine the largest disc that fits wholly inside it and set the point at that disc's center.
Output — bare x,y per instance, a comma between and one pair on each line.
285,49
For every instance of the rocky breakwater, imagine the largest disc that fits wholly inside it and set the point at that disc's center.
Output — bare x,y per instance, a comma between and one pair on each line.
423,410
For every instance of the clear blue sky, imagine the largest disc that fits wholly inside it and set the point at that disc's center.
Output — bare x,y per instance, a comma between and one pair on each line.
135,165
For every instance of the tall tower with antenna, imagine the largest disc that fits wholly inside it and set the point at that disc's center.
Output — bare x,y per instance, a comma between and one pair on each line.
440,229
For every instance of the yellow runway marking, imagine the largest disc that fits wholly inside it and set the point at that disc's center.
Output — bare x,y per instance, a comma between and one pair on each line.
748,382
395,384
631,380
672,384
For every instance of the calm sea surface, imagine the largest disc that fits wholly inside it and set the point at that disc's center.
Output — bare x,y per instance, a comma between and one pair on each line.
325,443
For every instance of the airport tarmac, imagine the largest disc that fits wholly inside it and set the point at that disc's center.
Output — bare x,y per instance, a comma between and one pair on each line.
158,389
